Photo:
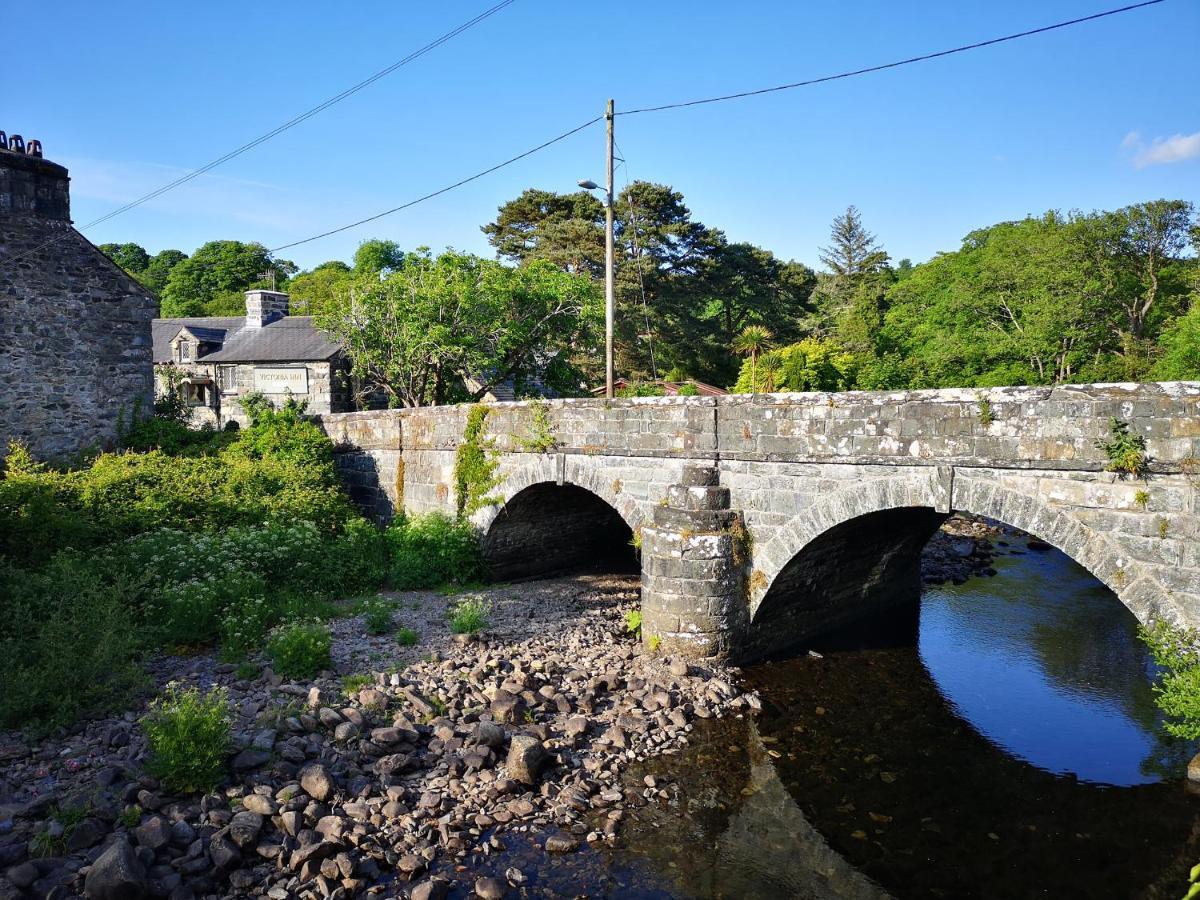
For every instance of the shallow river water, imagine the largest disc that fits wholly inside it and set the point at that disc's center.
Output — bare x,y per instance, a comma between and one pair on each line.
999,741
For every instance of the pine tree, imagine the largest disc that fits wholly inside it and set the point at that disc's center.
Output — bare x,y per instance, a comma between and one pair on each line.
853,250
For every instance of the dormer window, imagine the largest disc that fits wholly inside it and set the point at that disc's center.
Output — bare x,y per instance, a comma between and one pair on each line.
185,351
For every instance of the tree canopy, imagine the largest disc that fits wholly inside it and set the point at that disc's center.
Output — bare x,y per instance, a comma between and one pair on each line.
453,326
1057,297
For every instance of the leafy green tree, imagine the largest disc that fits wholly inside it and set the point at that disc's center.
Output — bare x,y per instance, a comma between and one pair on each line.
1015,305
311,292
453,326
808,365
158,270
375,256
208,282
566,229
1181,348
133,258
683,291
1152,240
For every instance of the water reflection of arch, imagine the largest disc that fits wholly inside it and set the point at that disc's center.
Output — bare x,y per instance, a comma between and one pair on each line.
856,550
764,846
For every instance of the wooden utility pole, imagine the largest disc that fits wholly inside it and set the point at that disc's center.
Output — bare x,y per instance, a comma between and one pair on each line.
609,262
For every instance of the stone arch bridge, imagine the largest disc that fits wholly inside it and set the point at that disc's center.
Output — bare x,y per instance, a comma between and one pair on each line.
765,519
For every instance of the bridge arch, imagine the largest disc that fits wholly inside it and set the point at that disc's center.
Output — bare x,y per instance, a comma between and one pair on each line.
547,524
857,549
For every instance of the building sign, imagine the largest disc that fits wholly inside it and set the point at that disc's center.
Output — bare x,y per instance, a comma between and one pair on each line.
281,381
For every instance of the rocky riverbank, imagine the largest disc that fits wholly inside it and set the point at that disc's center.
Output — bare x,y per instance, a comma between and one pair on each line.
338,794
396,773
964,547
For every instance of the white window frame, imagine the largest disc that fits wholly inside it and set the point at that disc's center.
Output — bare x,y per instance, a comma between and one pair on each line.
227,379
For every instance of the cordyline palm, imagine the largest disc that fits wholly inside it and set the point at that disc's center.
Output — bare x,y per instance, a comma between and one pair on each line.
753,340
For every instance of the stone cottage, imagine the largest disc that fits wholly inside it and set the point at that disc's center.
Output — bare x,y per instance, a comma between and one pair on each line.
267,351
75,347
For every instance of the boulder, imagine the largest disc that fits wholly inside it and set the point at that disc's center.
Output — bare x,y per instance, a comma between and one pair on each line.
117,875
245,827
526,758
317,782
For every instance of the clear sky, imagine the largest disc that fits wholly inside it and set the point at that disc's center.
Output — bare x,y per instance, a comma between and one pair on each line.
130,95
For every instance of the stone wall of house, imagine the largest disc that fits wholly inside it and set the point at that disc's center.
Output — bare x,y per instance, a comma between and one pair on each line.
328,390
76,355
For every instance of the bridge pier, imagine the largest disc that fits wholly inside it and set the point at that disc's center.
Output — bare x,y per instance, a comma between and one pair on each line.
693,569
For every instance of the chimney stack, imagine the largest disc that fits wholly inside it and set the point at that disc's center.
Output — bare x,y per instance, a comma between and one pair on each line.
265,307
30,185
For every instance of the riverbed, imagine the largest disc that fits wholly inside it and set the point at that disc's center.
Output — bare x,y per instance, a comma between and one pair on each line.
997,740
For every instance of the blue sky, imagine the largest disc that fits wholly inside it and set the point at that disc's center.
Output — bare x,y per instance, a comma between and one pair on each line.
130,95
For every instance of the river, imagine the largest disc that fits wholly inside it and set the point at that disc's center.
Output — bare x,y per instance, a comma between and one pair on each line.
997,740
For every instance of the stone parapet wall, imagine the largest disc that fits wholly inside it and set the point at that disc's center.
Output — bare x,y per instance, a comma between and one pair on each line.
369,457
841,488
1030,427
648,426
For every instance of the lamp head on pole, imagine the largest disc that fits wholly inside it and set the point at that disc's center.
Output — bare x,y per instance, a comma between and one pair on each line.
588,185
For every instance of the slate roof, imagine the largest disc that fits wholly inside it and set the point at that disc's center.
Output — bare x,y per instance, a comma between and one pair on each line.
290,339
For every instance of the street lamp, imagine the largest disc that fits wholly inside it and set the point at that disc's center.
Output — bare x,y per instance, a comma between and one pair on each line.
609,256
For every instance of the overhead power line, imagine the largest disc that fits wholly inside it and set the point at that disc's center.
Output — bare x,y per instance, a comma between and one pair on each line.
782,87
290,123
891,65
304,116
440,191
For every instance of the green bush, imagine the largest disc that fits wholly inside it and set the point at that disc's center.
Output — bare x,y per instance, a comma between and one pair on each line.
188,734
641,389
377,615
299,649
432,549
279,470
469,615
1126,451
69,643
244,626
633,622
1177,689
407,637
173,438
195,611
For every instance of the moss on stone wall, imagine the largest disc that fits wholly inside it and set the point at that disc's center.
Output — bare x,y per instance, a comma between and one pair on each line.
475,465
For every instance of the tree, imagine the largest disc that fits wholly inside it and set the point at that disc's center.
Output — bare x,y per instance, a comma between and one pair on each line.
1154,236
1181,348
211,280
156,273
312,292
683,291
853,255
375,256
852,249
546,225
454,326
133,258
753,341
1017,304
808,365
